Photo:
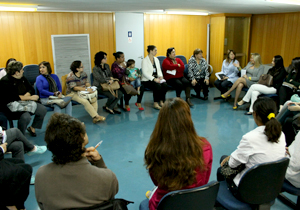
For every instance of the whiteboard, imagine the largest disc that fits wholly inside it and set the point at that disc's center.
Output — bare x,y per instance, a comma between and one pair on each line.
68,48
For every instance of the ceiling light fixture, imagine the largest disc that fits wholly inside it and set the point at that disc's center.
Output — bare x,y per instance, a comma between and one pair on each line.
294,2
19,7
180,12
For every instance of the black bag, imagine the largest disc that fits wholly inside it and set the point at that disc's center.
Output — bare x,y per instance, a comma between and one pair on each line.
115,204
230,173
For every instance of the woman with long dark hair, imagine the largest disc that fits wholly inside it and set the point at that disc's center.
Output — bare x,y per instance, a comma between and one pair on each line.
277,72
118,69
176,157
292,83
265,143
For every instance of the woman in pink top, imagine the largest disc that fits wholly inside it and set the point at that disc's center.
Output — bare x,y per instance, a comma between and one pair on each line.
176,157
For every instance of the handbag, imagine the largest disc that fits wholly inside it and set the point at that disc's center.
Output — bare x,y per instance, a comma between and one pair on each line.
295,98
230,173
91,97
266,79
111,87
129,89
289,85
22,106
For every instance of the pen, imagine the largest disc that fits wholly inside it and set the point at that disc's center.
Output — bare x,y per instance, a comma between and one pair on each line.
97,145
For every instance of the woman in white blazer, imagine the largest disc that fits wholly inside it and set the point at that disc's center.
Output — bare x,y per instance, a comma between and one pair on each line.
152,77
265,143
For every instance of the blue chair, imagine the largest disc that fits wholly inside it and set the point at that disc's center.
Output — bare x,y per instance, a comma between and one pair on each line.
289,188
183,58
258,187
186,70
161,59
31,72
203,197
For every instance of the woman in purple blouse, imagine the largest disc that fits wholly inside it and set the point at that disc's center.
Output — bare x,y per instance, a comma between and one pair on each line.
118,69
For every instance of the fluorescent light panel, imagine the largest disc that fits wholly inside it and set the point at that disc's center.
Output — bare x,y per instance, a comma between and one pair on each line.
294,2
12,7
186,12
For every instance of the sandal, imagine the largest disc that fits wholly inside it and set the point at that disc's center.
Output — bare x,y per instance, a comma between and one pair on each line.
98,118
31,132
223,96
109,110
127,108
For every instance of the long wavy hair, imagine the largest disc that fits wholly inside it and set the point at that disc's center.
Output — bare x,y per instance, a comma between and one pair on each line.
174,151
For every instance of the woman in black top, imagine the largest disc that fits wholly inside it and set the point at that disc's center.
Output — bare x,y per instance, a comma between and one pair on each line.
102,75
17,88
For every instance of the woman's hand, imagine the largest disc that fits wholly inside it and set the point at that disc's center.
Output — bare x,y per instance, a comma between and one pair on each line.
287,151
237,65
92,154
291,80
225,160
160,78
59,95
131,79
179,65
34,97
194,82
123,65
294,108
224,78
90,90
246,77
4,146
206,81
157,80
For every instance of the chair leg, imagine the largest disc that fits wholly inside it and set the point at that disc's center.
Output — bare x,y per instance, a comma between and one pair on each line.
288,202
11,123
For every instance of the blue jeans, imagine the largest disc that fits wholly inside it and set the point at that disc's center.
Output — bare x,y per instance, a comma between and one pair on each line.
136,83
57,109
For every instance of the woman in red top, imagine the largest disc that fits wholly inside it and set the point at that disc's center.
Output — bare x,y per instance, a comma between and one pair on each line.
173,69
176,157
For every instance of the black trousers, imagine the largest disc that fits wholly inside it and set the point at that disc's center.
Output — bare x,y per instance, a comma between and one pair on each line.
24,118
111,101
201,85
127,97
159,90
3,120
285,94
15,178
180,84
222,85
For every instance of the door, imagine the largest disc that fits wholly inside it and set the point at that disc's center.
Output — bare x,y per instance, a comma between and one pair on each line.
130,36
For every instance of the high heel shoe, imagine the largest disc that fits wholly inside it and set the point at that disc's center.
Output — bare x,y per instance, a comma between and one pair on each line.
223,96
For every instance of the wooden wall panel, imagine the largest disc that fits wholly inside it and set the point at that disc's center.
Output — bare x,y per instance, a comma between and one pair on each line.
184,32
276,34
217,35
26,36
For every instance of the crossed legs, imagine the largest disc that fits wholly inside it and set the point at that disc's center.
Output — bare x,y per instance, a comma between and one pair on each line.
237,86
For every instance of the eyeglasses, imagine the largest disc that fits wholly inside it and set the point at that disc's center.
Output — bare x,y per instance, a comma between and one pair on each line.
81,67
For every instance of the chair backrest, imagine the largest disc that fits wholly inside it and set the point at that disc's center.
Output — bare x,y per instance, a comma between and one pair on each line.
262,183
64,84
92,78
31,72
186,70
266,68
203,197
161,59
182,57
211,69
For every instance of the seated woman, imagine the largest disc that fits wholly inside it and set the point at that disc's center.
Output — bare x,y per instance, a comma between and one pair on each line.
277,72
78,176
265,143
187,165
17,88
152,77
198,73
15,178
230,71
102,74
173,69
292,83
293,172
285,117
254,70
3,71
118,69
77,81
48,84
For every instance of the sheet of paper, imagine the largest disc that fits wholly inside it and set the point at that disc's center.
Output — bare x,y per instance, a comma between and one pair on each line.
173,72
243,72
162,80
